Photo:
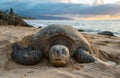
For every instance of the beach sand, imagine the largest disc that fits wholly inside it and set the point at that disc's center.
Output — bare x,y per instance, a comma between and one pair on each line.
9,69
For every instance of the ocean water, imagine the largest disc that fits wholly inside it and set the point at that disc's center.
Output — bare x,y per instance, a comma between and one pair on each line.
89,26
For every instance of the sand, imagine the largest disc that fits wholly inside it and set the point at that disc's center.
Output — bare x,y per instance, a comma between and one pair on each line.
9,69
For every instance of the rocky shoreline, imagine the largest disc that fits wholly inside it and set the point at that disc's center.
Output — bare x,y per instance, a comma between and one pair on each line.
7,19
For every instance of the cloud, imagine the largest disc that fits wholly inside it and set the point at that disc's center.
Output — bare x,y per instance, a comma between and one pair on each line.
29,1
78,9
35,9
19,3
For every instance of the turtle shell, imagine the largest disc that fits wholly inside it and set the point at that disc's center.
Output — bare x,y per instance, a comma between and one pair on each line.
59,34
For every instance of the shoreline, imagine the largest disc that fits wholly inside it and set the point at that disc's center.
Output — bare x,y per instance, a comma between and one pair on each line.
88,26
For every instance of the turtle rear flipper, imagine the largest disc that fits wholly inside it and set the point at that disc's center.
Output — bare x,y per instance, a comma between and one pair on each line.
83,57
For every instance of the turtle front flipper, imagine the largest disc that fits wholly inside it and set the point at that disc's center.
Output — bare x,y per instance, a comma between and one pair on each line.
83,56
25,56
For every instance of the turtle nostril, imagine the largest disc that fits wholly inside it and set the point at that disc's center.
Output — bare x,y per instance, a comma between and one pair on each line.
58,52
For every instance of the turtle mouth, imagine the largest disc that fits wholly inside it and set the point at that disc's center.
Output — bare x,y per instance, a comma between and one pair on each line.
58,59
58,62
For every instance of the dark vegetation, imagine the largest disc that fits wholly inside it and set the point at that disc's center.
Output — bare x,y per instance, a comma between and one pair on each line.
8,17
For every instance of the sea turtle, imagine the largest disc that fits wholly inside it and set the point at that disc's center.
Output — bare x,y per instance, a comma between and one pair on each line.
56,42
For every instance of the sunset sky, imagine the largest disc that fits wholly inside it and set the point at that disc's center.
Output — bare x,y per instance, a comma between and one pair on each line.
77,9
91,1
72,1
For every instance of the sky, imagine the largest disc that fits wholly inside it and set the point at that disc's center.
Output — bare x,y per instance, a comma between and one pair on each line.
91,1
72,1
79,8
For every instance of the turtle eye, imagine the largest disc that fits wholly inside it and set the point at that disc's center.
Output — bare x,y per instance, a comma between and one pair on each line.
63,51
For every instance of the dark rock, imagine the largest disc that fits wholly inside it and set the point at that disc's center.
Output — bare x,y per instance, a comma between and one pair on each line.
40,27
6,19
108,33
3,22
81,30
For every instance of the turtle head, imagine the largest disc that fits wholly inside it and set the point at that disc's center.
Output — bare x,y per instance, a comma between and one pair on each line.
59,55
